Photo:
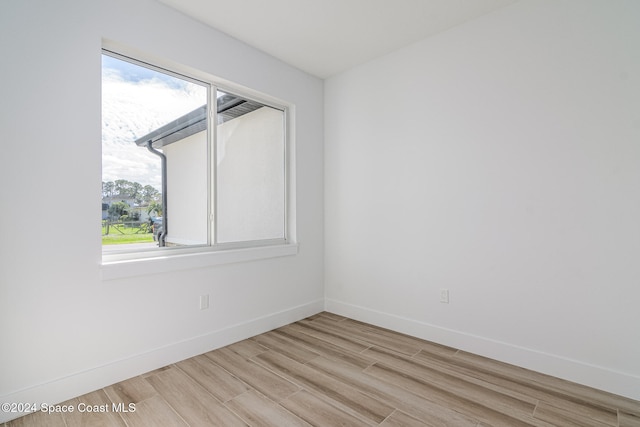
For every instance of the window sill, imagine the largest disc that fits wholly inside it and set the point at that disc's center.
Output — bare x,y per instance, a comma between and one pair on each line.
112,270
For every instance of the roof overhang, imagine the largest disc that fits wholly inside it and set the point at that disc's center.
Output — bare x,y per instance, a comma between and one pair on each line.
229,107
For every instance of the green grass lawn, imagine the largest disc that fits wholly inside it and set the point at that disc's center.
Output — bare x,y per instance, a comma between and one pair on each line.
113,239
119,234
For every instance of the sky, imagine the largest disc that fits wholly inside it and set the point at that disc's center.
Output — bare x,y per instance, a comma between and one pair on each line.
136,101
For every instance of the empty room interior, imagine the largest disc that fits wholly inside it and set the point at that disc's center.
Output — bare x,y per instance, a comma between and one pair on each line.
455,177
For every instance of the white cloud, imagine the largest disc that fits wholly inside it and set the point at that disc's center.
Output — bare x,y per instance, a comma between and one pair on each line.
131,109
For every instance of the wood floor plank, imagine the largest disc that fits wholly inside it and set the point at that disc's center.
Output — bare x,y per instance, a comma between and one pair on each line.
153,411
400,419
381,337
325,349
102,413
323,334
155,371
469,407
247,348
39,419
486,381
507,384
133,390
318,412
216,380
341,393
329,315
503,403
266,382
290,348
557,416
191,401
355,331
557,386
257,410
385,338
628,420
603,416
329,370
406,401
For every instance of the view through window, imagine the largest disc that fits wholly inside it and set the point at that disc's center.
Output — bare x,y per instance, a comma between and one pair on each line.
167,182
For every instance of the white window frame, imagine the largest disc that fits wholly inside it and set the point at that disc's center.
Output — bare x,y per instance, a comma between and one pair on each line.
160,260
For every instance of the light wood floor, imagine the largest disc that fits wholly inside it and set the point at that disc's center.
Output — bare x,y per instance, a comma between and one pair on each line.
331,371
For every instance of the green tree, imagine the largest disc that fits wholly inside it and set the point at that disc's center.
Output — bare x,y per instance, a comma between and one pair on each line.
124,187
117,209
107,188
155,207
150,194
136,191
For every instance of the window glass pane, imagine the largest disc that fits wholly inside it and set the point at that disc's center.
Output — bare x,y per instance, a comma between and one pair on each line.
139,105
250,179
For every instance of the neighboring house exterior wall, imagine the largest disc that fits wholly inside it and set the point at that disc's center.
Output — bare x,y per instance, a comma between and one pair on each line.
187,190
108,201
113,199
250,155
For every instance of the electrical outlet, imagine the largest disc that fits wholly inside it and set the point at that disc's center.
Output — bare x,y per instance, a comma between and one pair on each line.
204,302
444,296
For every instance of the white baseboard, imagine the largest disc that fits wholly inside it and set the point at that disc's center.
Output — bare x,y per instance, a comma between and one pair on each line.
598,377
79,383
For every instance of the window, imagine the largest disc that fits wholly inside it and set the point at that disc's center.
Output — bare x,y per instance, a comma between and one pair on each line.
187,164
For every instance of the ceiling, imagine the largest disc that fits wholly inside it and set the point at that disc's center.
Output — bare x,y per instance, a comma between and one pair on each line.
326,37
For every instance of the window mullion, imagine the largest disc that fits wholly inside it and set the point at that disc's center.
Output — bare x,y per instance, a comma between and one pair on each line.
213,163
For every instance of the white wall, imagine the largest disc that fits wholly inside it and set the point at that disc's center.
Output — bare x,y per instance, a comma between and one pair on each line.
499,160
65,331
